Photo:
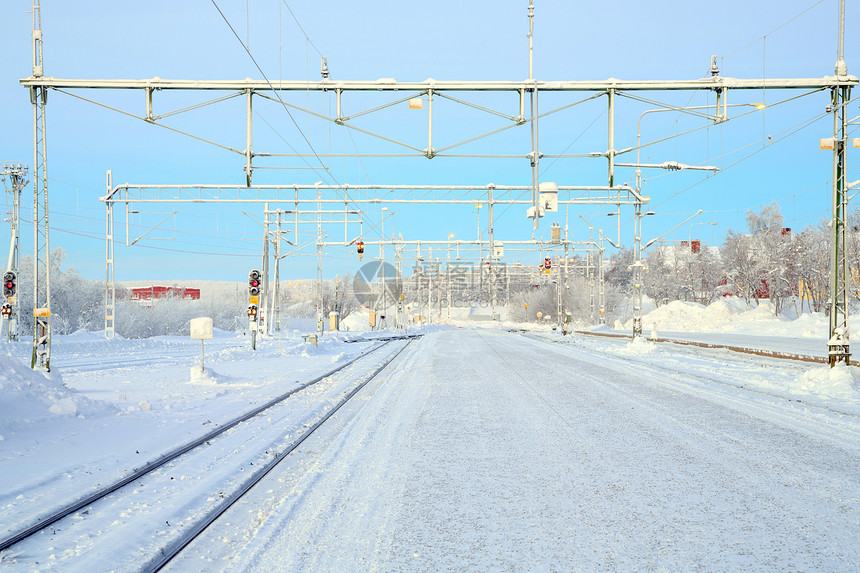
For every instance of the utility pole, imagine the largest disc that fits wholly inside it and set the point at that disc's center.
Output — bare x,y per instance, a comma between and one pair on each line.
491,251
601,285
17,177
838,341
263,319
110,284
319,297
590,271
41,358
276,292
430,285
564,290
637,267
398,266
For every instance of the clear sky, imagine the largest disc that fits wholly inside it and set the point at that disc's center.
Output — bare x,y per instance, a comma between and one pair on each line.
769,155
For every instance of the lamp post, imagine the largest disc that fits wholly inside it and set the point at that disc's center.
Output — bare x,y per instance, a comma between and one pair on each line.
690,237
638,267
617,213
671,166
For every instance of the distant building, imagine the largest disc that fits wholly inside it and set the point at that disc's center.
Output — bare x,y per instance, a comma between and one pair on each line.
150,293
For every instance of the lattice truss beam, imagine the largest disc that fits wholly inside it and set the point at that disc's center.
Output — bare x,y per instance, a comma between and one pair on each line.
465,95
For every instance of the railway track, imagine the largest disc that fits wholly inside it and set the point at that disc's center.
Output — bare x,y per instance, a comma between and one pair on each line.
738,349
710,379
280,429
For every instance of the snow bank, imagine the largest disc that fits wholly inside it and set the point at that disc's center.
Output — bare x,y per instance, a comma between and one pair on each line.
637,347
731,315
207,376
841,382
28,396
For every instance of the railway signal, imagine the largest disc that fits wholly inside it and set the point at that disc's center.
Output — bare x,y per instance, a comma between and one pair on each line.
359,247
255,278
254,283
6,310
10,284
547,264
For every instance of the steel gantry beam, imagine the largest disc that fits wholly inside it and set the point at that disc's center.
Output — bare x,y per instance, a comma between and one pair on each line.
366,194
711,83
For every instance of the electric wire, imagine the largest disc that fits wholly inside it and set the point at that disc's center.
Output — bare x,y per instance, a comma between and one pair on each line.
774,30
325,169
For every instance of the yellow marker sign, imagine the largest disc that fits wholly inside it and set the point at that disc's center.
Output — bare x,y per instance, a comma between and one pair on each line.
255,300
41,312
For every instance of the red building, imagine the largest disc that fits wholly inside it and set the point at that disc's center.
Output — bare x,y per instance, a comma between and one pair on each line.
155,292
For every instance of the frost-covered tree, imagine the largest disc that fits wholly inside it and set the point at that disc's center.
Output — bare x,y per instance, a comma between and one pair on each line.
772,247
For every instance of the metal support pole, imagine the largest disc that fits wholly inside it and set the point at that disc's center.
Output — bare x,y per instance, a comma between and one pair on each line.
263,314
601,283
535,159
637,271
531,38
110,284
249,155
535,155
590,276
564,290
398,266
429,152
610,150
319,298
491,250
382,259
17,175
41,358
148,95
276,292
838,342
448,279
841,66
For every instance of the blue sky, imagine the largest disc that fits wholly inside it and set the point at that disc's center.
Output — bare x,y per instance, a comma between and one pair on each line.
766,155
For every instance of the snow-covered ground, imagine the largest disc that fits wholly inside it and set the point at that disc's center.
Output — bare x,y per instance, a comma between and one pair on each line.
480,449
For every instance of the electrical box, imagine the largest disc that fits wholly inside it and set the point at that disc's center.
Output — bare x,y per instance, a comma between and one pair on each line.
548,194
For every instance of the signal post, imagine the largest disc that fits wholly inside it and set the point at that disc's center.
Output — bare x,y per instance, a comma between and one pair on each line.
253,304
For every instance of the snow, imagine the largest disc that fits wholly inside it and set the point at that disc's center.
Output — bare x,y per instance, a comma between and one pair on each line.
730,315
28,397
479,450
841,383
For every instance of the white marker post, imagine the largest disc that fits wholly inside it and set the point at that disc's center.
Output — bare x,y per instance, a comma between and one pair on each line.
201,329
